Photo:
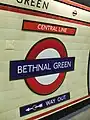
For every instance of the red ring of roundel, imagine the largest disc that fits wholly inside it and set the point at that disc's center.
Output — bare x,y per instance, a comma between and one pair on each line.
46,43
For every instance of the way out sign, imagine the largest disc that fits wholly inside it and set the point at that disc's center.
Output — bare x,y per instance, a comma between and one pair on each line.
44,67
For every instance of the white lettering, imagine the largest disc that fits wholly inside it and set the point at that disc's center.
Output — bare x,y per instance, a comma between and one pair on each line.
19,70
55,66
47,67
33,68
30,67
47,28
39,26
61,98
50,102
62,29
40,67
65,64
25,69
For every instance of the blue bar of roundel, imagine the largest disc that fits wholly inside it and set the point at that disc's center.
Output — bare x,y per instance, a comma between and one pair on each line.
51,70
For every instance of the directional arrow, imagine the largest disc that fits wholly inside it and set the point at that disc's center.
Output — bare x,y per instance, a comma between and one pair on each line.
34,107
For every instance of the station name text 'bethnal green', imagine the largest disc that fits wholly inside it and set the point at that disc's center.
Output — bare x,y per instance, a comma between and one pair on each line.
35,3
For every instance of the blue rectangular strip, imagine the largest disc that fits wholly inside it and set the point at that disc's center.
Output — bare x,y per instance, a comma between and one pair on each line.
28,109
40,67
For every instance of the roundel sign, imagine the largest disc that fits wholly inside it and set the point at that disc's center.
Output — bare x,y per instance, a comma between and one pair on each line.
47,48
44,67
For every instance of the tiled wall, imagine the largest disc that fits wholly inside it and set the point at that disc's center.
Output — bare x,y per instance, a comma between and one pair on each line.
15,44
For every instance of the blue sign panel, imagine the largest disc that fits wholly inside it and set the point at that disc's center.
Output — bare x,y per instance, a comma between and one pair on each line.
39,67
28,109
